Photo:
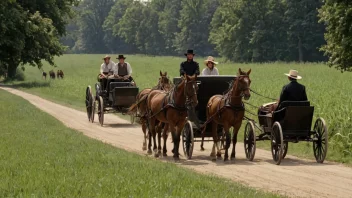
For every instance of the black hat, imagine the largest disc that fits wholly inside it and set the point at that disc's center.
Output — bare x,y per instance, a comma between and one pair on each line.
189,52
121,57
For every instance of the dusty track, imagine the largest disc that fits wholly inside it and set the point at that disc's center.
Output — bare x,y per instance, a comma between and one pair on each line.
294,177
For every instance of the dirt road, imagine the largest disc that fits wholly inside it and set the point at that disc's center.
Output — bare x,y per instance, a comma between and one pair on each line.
294,177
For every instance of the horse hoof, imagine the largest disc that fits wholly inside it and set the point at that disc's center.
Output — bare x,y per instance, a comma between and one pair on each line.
149,152
156,155
173,151
233,157
164,154
159,152
226,159
176,158
202,149
213,159
219,157
144,148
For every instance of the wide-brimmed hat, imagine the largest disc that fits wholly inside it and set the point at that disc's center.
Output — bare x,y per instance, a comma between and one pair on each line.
189,52
294,74
106,56
210,59
121,57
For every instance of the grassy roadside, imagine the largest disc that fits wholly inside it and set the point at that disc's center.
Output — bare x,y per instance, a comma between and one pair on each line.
39,157
328,90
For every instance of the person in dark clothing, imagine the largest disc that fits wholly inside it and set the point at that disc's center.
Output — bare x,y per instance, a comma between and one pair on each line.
293,91
189,67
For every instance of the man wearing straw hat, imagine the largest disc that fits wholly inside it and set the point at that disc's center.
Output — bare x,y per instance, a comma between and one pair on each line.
293,91
106,71
210,70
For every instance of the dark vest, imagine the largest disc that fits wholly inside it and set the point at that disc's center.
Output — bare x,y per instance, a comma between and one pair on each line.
122,69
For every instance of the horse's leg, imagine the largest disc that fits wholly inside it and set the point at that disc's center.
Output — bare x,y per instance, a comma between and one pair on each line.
144,129
155,131
176,140
228,141
165,135
160,127
215,140
236,128
151,127
201,144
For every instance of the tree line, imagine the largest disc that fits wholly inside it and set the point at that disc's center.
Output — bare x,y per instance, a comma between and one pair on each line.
239,30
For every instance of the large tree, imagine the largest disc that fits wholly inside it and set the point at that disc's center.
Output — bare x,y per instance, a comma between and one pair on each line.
30,32
112,40
195,17
337,15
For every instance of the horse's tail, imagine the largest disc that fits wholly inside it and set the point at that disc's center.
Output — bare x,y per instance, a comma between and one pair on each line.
134,107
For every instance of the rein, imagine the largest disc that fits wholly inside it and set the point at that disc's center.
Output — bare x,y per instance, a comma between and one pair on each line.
262,95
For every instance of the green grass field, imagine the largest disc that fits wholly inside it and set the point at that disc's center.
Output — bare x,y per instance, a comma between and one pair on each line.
39,157
328,90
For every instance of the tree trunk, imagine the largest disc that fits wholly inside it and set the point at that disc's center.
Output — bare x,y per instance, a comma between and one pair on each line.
11,72
300,50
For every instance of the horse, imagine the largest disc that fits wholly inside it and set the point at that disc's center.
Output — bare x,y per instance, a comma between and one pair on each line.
140,107
228,110
44,75
60,74
52,74
171,108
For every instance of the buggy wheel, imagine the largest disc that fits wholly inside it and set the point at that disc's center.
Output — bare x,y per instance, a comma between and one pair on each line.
320,145
277,143
188,139
101,110
93,111
89,102
285,150
249,141
132,119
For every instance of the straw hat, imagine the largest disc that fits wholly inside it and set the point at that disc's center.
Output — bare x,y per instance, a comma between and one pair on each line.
210,59
107,56
294,74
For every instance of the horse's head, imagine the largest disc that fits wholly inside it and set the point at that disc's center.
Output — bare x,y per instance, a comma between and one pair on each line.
244,83
191,88
164,81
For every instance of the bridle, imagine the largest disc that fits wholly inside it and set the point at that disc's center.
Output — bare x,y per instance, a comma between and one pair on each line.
241,89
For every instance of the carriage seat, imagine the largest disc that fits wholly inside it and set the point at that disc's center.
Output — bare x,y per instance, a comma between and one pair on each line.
119,84
280,112
285,104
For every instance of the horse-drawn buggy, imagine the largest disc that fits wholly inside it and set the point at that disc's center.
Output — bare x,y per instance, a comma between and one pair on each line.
118,98
208,86
291,122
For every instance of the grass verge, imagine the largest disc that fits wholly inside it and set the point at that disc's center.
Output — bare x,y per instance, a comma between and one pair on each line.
39,157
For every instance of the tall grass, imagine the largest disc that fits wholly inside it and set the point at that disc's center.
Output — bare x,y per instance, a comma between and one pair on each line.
39,157
328,90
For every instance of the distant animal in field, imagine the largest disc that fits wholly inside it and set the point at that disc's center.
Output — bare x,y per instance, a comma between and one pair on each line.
60,74
52,74
44,75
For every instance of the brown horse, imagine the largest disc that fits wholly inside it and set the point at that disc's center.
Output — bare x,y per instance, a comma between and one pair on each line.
140,107
228,111
60,74
52,74
44,75
170,108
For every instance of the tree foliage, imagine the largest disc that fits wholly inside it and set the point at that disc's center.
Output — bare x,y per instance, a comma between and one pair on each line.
30,32
337,15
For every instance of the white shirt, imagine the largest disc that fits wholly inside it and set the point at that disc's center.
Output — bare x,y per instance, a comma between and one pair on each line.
207,72
129,69
107,67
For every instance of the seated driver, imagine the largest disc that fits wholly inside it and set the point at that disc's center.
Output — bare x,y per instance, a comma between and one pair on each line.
293,91
123,70
106,71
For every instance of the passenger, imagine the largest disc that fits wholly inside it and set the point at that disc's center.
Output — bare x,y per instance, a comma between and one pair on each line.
106,70
123,70
189,67
210,70
293,91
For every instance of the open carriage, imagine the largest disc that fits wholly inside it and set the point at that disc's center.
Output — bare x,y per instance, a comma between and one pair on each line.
120,97
192,132
290,123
